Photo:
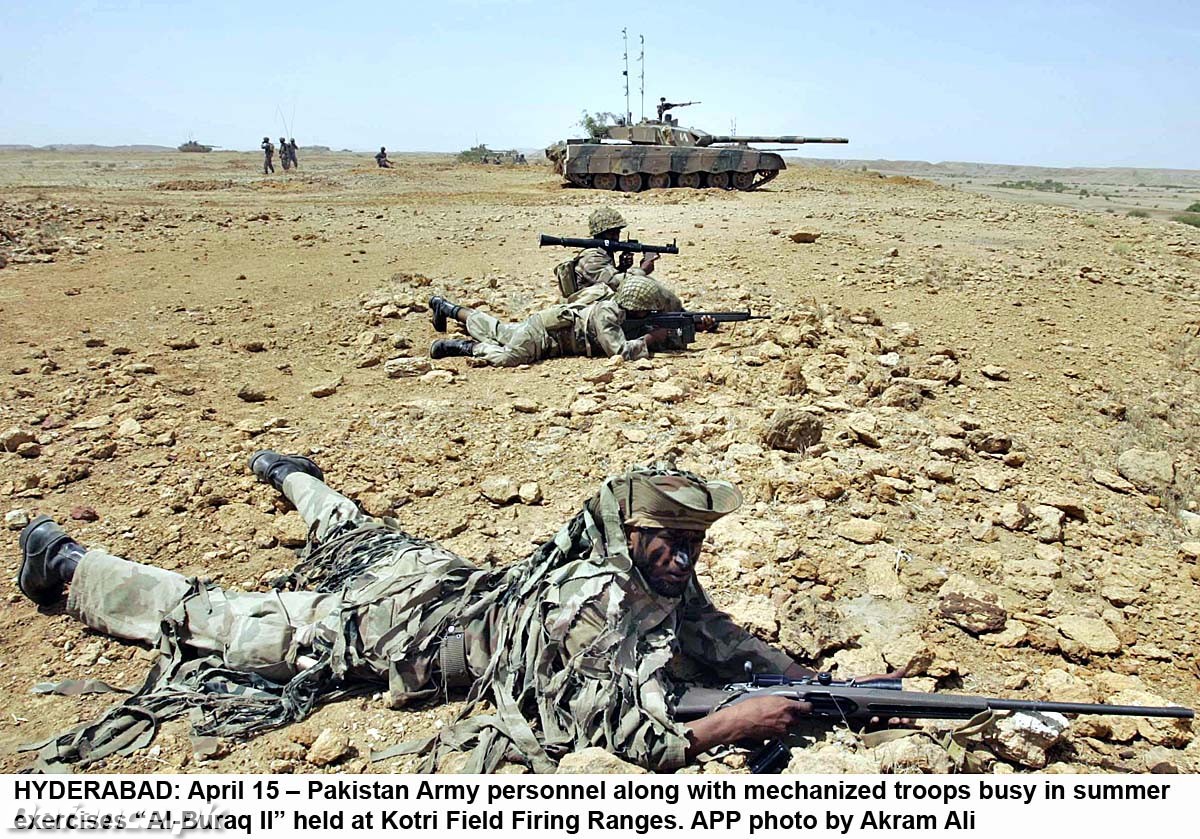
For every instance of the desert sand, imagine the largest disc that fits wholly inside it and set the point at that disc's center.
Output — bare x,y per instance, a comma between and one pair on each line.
1003,492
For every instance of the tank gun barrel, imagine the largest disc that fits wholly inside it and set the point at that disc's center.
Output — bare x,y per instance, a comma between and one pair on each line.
790,140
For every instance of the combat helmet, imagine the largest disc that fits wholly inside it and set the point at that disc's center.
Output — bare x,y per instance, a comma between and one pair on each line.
645,294
604,218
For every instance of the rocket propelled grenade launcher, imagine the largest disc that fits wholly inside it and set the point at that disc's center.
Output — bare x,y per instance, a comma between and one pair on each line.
631,245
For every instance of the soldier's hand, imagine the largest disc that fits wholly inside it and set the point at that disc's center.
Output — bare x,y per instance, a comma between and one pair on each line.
767,717
655,337
625,260
878,722
707,323
648,261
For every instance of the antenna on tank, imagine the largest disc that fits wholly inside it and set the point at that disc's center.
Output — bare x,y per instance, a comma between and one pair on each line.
642,61
625,73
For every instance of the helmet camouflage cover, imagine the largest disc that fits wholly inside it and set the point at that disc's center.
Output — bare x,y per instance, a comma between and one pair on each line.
605,218
644,294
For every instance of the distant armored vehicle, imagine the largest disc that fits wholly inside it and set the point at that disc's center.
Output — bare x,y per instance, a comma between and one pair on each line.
192,145
657,154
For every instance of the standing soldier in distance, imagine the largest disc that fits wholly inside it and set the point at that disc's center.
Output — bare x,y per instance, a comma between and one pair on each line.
292,153
268,156
285,154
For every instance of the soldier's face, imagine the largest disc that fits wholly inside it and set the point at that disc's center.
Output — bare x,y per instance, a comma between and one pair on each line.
666,557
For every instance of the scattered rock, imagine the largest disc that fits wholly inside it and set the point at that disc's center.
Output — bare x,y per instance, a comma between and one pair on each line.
973,614
405,368
327,389
500,489
804,237
15,437
130,427
862,531
251,393
181,343
93,424
290,530
16,519
792,430
990,442
596,761
862,425
1092,633
1025,738
1049,523
329,747
666,392
530,492
996,374
84,513
1112,481
1070,505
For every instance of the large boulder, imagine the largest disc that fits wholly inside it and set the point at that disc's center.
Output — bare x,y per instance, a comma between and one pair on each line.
1148,471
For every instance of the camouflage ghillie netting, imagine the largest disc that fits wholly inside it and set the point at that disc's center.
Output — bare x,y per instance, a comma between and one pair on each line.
570,647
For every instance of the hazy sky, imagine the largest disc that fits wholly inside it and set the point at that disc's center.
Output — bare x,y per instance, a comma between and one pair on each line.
1078,82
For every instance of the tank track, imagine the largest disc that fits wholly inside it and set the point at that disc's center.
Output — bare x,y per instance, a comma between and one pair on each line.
692,180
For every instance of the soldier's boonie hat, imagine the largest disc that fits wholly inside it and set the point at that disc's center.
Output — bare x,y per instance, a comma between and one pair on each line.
605,218
644,294
677,500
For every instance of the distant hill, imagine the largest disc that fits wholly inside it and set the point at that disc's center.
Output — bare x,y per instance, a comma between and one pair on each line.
84,147
1116,175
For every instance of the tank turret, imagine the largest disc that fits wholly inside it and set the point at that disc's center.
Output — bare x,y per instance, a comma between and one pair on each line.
193,146
660,154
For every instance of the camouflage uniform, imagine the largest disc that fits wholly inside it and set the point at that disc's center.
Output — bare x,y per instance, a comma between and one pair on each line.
268,156
570,647
589,323
596,266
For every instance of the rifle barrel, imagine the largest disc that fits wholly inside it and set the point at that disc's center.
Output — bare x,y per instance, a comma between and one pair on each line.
1171,711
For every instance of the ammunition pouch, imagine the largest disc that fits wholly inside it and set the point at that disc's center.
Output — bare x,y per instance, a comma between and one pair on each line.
565,273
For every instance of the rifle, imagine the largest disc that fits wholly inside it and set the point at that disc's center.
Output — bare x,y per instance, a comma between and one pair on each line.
631,245
856,703
683,324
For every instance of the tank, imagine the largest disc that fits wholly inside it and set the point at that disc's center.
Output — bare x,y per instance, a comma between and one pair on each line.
655,154
192,145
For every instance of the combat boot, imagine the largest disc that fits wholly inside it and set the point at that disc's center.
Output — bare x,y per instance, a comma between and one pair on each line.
451,347
48,560
442,309
272,467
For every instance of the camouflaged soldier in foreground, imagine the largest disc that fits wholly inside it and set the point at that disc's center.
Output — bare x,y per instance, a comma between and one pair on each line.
589,324
575,646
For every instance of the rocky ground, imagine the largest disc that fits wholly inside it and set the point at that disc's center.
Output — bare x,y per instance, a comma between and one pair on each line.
967,437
